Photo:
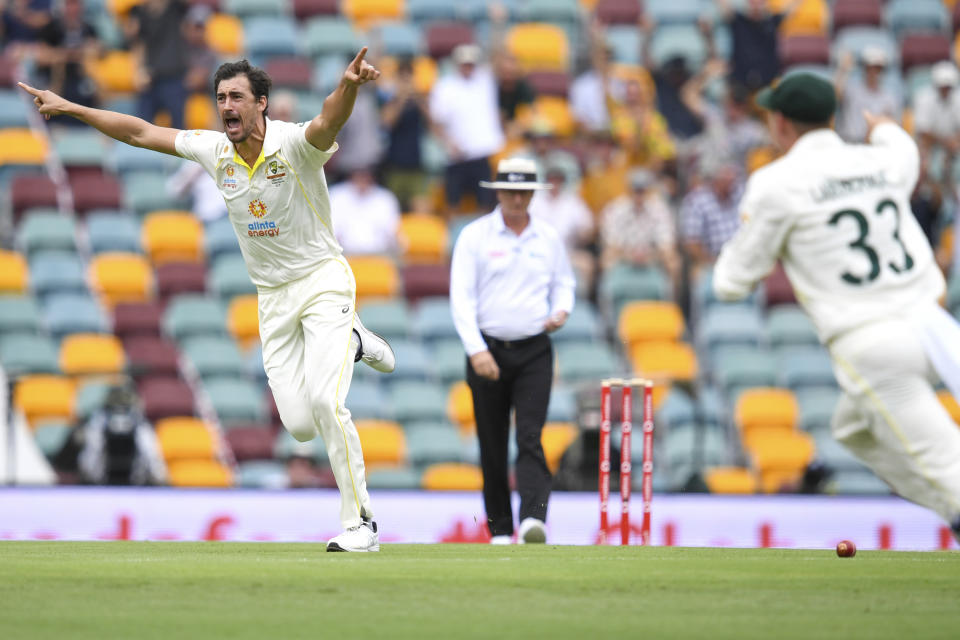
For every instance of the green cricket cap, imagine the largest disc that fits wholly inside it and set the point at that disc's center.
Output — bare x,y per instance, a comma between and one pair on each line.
804,97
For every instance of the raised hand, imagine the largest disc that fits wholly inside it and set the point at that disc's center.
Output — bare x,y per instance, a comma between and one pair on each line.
48,103
360,71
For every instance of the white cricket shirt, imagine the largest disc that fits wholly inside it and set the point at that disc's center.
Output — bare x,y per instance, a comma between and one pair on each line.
838,216
279,207
507,285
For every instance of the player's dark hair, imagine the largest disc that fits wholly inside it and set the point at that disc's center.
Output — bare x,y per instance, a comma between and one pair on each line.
259,80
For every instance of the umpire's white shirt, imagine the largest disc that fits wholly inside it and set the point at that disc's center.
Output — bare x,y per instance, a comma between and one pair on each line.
279,207
507,285
838,216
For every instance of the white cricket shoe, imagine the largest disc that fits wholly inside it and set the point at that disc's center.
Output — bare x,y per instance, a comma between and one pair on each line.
360,538
501,540
374,350
532,531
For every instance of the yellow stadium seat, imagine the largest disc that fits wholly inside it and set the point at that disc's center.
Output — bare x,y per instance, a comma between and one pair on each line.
120,8
451,476
225,34
766,409
363,13
199,473
114,72
539,46
664,360
950,404
199,112
551,110
185,438
243,320
376,276
907,117
44,397
556,438
121,277
460,407
22,146
780,456
423,238
173,236
811,18
641,321
13,272
759,157
383,442
84,354
731,480
424,73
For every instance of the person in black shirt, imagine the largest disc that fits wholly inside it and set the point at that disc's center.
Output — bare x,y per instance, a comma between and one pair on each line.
64,43
755,59
404,116
155,28
513,90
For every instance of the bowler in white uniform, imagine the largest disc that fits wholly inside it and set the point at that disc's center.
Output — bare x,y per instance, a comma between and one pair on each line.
271,176
838,217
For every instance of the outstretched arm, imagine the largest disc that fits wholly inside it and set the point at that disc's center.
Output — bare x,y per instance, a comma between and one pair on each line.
118,126
323,129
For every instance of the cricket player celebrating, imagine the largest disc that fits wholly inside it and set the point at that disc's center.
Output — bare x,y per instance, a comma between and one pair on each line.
838,216
270,174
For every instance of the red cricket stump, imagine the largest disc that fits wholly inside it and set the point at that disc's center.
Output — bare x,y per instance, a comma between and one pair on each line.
647,490
626,428
604,457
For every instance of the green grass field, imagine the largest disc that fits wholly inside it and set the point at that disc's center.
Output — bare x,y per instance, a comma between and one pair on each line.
55,590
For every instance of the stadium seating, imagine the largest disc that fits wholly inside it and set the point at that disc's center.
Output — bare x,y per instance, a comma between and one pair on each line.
262,474
452,477
731,480
213,355
121,277
665,360
13,272
18,314
108,232
396,478
327,35
423,238
269,35
950,404
29,190
780,457
432,443
417,401
150,356
47,231
91,354
171,236
95,191
45,398
22,354
425,280
228,277
556,439
412,360
250,443
766,409
66,313
383,442
243,320
115,72
433,320
236,400
199,473
539,46
848,13
136,319
185,438
189,314
643,320
176,278
376,276
164,397
460,406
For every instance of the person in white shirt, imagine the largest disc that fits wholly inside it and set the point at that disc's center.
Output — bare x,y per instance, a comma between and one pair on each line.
936,115
510,285
465,116
868,93
366,216
838,217
271,176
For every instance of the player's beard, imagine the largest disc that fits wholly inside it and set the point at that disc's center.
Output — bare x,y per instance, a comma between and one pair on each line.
239,133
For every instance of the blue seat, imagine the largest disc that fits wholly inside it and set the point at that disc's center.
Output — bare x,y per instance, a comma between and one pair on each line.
389,318
272,35
57,272
834,455
220,239
19,315
862,483
563,13
399,478
448,361
126,158
326,35
664,12
678,40
262,474
253,363
579,362
247,8
789,325
66,313
213,355
425,11
817,405
91,397
680,447
47,230
676,409
13,110
81,148
367,401
145,191
399,38
414,401
904,16
236,400
583,325
191,314
413,363
622,283
704,297
113,232
729,325
563,404
433,320
229,278
22,354
739,367
806,367
626,42
429,443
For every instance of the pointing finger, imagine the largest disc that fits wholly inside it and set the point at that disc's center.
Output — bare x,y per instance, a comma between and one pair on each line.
359,59
29,89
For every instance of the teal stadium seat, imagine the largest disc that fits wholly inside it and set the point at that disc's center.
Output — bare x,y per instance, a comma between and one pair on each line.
953,294
864,483
399,39
389,318
788,325
834,455
268,36
448,361
191,314
563,13
220,239
262,474
113,232
413,362
253,363
50,438
683,12
429,443
626,42
433,320
806,367
398,478
127,159
855,39
236,400
325,35
22,354
426,11
623,283
66,313
676,409
723,325
229,278
40,231
54,272
678,40
925,16
145,192
817,405
287,446
19,315
712,407
213,355
579,362
679,446
738,367
583,325
367,401
90,398
417,401
248,8
81,148
13,110
703,296
563,404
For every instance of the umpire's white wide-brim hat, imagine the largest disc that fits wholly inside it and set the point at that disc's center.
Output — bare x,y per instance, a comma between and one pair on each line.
516,174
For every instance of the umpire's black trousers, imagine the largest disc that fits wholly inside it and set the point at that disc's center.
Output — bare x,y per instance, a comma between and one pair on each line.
526,373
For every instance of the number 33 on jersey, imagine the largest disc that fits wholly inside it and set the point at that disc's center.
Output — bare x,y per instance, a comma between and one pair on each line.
838,217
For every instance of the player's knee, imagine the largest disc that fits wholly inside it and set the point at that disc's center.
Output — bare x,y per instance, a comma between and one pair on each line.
327,410
298,420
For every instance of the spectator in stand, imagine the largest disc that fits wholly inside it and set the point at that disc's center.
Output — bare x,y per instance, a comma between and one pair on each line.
201,60
366,217
605,175
154,27
936,117
513,90
466,119
562,208
709,213
856,95
669,80
362,138
640,129
590,89
755,59
65,43
22,20
544,148
405,118
638,229
729,130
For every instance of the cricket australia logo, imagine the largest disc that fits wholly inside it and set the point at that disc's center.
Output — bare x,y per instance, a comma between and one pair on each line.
275,172
257,208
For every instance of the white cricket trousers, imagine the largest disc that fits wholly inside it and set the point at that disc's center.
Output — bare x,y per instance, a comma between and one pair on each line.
890,418
306,327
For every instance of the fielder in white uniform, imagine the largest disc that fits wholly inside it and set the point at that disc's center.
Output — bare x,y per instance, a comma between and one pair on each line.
838,216
271,176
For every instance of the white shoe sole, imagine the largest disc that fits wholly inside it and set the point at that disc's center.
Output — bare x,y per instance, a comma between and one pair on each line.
534,535
380,366
333,546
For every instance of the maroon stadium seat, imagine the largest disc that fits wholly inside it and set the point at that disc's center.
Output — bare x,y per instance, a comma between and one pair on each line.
137,319
274,412
424,280
213,5
165,397
307,8
956,17
778,288
174,278
804,50
924,48
290,73
443,37
848,13
7,68
550,83
253,442
618,11
101,191
151,356
32,190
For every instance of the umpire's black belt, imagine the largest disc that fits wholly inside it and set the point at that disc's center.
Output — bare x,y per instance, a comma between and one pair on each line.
512,344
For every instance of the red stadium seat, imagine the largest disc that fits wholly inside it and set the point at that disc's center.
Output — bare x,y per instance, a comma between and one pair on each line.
213,5
778,288
137,319
165,398
919,49
101,191
32,190
272,407
307,8
290,73
848,13
618,11
425,280
443,37
550,83
151,356
253,442
956,17
174,278
804,50
7,68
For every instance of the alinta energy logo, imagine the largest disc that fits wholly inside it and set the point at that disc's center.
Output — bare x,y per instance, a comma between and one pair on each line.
257,208
261,228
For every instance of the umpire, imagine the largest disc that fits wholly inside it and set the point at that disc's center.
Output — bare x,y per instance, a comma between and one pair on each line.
511,284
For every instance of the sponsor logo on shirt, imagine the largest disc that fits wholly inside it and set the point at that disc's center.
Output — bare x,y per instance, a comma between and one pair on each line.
230,171
264,229
257,208
229,182
275,172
